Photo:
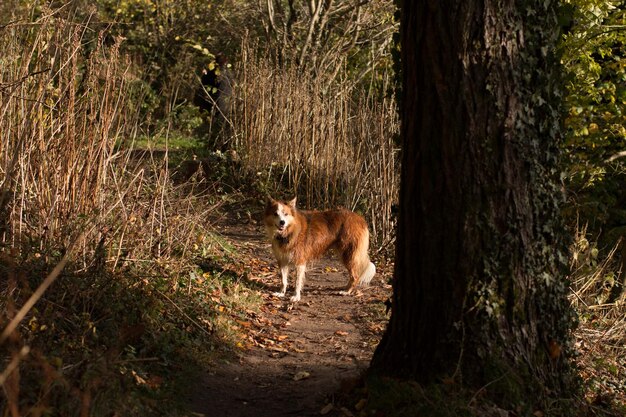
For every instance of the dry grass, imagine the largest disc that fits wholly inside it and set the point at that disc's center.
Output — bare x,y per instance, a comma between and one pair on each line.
601,335
329,147
59,127
75,194
66,107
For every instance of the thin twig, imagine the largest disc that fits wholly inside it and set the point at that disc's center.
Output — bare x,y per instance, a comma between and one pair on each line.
52,276
13,364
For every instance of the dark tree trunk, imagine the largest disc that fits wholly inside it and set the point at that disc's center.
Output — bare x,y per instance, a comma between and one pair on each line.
479,287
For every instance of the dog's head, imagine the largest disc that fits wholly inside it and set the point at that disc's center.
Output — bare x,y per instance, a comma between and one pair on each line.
279,215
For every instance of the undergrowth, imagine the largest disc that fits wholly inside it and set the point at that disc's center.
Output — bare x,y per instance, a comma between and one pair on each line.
101,342
107,300
600,300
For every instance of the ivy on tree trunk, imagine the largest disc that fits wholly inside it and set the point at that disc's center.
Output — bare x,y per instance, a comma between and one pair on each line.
479,286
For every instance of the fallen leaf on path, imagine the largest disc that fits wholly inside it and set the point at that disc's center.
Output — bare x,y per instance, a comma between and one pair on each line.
154,381
301,375
327,409
278,349
361,404
341,333
138,379
346,412
375,328
448,381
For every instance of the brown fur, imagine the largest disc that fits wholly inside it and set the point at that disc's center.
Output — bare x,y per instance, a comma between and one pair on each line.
310,234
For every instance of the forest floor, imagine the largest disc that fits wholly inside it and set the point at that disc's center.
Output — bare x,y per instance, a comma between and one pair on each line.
295,356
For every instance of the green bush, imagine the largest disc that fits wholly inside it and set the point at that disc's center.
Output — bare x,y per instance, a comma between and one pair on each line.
594,144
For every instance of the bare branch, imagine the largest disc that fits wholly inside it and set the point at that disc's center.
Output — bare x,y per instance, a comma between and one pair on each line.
616,156
312,24
270,15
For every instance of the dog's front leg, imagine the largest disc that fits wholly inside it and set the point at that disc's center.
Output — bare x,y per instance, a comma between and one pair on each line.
299,282
284,273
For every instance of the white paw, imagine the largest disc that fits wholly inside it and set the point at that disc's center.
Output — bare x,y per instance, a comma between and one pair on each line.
278,294
345,292
295,298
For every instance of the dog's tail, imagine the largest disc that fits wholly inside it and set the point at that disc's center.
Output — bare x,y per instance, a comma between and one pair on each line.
367,270
367,275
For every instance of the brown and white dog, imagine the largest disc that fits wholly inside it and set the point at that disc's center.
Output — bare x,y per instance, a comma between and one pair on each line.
299,236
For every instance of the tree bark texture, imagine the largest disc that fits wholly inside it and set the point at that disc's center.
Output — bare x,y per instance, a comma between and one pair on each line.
479,287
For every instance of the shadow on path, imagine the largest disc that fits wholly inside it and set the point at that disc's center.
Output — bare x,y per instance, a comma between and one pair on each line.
303,353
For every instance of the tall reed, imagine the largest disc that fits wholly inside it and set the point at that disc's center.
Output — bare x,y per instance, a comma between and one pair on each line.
61,113
74,194
331,146
69,110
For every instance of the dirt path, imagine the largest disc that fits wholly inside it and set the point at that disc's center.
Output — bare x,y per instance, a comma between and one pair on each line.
300,354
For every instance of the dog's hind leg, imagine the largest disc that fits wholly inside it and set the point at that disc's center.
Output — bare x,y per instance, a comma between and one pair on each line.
284,273
354,278
349,262
301,269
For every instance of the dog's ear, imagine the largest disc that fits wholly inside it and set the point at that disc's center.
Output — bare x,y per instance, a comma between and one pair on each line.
270,202
292,203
